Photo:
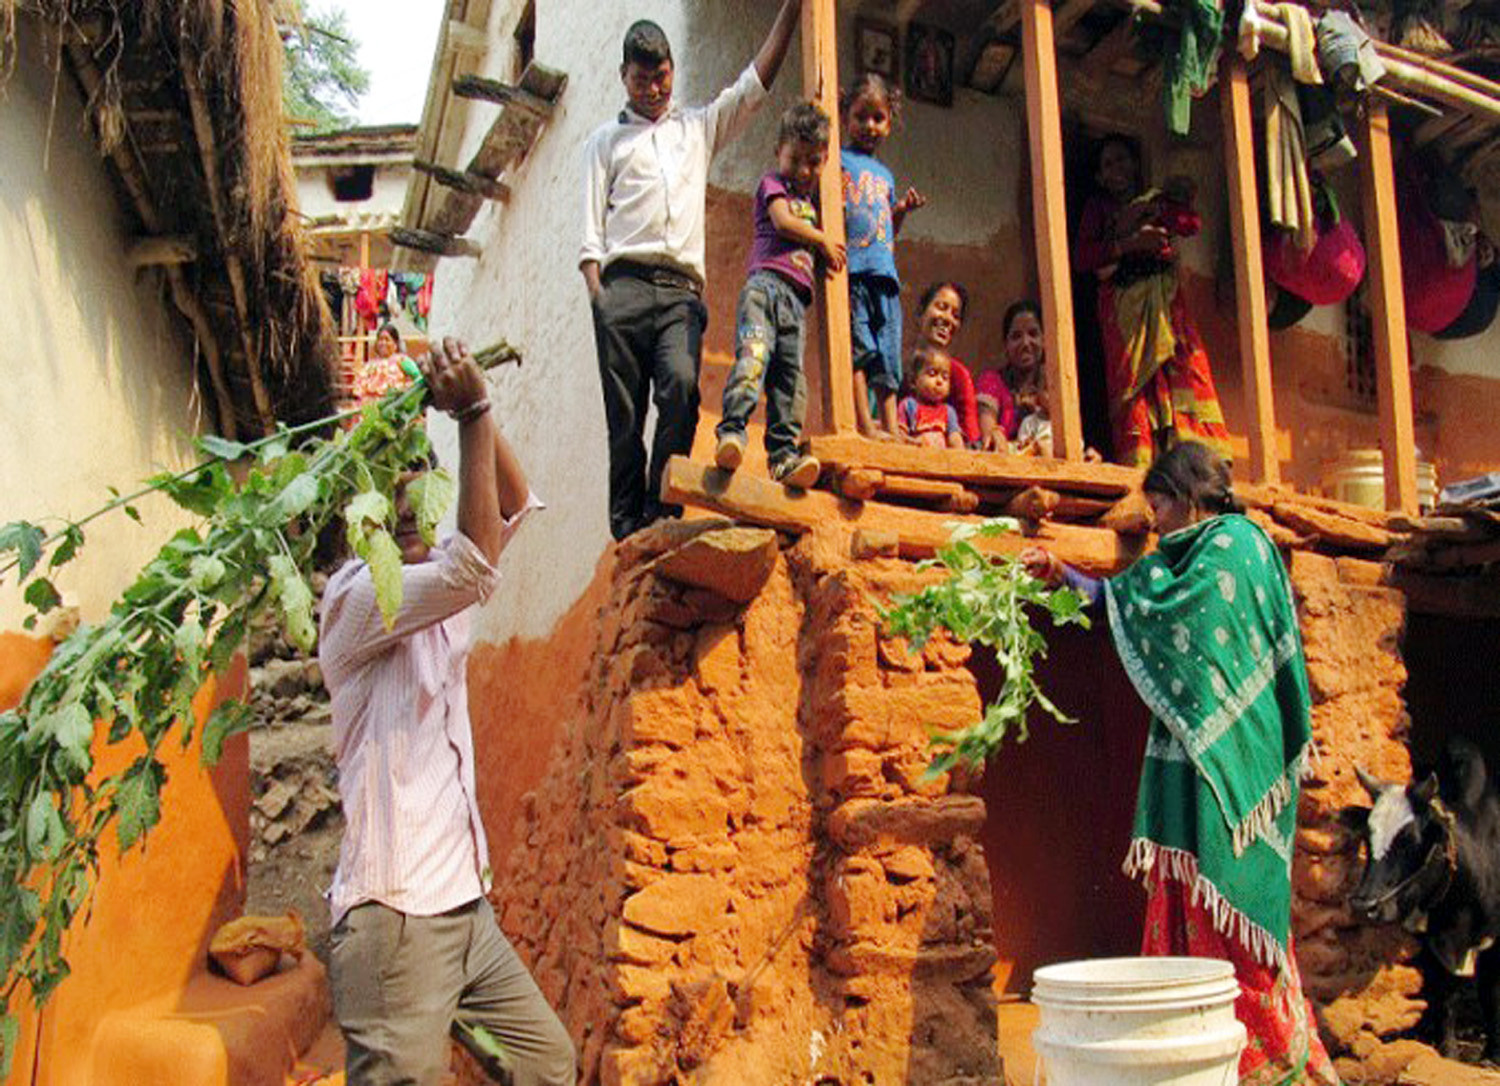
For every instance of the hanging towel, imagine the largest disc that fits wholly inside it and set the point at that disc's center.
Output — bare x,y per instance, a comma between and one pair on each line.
1288,191
1190,64
1344,44
372,287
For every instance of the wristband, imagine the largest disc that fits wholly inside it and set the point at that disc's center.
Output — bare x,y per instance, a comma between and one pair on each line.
470,412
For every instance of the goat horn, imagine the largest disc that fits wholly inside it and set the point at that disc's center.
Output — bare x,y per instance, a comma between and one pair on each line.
1372,786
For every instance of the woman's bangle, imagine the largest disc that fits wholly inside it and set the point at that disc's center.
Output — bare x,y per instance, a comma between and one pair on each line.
470,412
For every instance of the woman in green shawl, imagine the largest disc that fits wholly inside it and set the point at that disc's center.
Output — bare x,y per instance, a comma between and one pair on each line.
1206,628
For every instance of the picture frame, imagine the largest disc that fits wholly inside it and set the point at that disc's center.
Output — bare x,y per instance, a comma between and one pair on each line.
929,64
877,48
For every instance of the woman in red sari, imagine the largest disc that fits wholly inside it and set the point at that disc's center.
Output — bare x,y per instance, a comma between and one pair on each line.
1161,389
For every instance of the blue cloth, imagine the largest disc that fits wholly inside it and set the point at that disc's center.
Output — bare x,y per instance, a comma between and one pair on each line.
875,329
869,193
768,343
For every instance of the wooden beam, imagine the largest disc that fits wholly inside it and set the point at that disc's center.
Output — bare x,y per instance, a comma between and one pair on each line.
463,38
492,90
1388,311
978,468
757,500
465,181
428,242
820,82
1249,273
1050,216
157,251
1072,11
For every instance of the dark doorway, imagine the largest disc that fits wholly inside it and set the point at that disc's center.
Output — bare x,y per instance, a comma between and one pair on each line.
1059,814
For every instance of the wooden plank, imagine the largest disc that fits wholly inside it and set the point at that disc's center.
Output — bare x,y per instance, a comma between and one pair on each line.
1388,311
1050,216
472,184
492,90
820,82
154,252
428,242
757,500
981,468
1332,529
1265,497
1249,273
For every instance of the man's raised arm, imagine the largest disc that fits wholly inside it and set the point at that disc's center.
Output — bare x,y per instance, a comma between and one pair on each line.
773,52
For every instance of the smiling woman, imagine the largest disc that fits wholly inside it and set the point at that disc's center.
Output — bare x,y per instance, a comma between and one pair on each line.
941,313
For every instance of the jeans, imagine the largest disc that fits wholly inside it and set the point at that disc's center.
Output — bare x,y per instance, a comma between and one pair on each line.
769,332
875,329
650,343
401,983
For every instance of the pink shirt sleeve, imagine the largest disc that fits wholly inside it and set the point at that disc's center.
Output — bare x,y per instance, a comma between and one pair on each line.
992,392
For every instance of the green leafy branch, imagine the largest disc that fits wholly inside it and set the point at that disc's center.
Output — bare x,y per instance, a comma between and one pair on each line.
181,620
986,599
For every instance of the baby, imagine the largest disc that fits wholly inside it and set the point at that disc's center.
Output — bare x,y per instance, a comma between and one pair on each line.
927,418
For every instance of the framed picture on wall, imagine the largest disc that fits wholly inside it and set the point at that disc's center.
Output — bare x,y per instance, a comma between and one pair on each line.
929,64
875,43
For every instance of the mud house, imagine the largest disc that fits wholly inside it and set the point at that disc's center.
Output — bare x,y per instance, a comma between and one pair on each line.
715,841
160,291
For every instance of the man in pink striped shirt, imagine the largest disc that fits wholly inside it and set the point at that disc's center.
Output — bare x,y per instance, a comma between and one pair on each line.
416,950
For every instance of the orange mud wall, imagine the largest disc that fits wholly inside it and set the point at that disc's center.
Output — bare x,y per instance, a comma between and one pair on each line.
146,929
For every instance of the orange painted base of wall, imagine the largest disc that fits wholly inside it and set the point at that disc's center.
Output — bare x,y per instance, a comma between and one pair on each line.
153,910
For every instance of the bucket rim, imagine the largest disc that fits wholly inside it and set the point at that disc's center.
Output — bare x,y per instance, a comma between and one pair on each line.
1153,972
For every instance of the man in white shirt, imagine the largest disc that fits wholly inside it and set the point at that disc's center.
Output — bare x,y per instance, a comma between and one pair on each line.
416,950
642,256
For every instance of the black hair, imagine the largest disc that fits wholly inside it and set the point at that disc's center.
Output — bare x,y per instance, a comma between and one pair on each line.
646,44
1191,472
1015,309
391,328
804,122
932,292
870,82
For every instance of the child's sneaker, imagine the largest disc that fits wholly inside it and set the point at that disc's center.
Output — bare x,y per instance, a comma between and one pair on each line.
799,470
730,452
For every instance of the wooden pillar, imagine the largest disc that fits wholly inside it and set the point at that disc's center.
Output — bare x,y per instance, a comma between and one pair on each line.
1050,215
1388,311
1249,281
820,82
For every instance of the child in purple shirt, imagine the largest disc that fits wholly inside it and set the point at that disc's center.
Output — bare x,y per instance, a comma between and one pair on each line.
773,304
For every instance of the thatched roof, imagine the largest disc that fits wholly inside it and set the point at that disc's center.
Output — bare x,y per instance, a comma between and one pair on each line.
185,98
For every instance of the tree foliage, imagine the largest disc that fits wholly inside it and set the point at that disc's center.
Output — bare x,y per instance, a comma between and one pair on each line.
322,79
986,599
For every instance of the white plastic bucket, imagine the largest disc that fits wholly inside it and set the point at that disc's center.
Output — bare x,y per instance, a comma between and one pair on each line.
1138,1022
1358,477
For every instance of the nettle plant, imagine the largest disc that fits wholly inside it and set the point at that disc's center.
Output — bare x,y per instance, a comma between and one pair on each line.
182,620
986,599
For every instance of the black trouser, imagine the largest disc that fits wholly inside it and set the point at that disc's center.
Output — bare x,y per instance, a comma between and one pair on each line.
650,342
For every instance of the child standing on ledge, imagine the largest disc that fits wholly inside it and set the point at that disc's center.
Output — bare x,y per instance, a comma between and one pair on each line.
770,326
873,217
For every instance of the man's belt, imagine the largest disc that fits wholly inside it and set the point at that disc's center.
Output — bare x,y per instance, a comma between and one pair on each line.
655,274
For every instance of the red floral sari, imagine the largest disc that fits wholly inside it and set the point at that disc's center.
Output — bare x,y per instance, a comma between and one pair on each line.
1284,1047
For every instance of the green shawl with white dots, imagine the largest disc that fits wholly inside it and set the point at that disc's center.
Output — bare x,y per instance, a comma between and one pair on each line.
1208,634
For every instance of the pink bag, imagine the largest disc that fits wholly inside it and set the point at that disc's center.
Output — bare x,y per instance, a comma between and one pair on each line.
1327,273
1436,292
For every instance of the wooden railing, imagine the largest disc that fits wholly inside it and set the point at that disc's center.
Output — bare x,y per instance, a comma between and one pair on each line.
1054,272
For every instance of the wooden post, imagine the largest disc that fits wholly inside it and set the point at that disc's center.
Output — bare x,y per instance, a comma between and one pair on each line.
820,82
1049,210
1249,281
1388,312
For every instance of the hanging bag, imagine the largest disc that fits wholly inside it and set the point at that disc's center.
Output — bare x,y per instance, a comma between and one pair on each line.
1328,272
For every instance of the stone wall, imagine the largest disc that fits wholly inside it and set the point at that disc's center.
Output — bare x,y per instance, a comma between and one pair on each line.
734,869
1351,628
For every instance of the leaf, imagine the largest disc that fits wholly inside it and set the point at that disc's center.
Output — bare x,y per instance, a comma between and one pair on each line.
42,595
45,834
138,800
228,719
71,728
205,572
296,497
133,513
222,447
200,492
187,639
72,539
385,570
274,447
430,494
26,540
296,601
10,1034
369,507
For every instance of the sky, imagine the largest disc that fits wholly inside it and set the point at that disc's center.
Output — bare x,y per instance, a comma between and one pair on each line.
396,39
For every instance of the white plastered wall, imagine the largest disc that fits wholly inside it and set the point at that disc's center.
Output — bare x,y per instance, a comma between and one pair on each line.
97,387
